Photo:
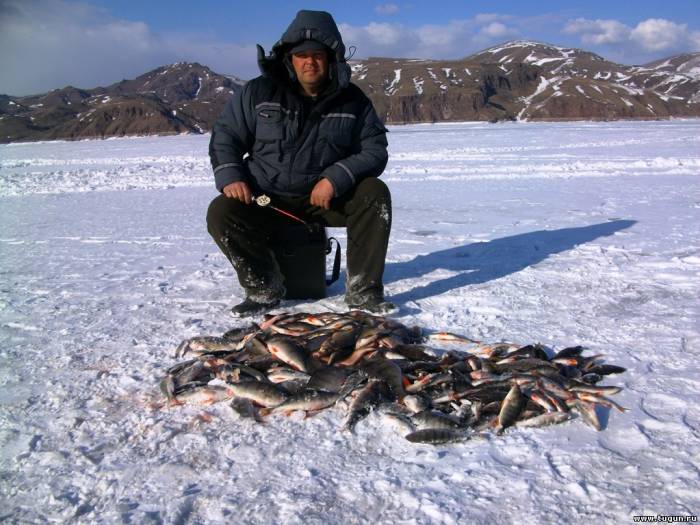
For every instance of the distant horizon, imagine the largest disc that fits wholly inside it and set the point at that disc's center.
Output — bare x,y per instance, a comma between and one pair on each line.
354,58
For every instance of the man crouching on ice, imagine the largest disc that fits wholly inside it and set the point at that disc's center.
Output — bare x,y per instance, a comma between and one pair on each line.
315,145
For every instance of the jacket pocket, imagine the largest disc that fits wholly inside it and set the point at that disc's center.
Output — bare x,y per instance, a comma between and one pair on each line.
336,137
269,126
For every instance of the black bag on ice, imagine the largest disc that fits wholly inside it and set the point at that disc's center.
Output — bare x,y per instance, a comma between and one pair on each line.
301,254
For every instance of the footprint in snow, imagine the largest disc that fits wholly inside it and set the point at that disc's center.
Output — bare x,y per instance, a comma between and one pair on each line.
663,407
560,463
625,441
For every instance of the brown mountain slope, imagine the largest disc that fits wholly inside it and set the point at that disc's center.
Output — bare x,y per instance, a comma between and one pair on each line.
172,99
517,80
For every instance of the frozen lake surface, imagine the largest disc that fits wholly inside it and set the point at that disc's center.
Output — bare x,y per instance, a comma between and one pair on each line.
564,234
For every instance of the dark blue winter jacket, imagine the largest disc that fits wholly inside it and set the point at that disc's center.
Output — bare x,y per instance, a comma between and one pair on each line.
275,139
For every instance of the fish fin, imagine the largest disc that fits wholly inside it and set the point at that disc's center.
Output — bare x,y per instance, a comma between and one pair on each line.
182,348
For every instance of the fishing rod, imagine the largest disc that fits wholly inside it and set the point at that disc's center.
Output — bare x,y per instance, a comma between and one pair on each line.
265,202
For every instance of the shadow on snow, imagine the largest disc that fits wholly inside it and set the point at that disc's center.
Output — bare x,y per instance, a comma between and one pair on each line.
484,261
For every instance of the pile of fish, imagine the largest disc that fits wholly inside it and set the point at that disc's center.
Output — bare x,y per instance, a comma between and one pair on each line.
362,362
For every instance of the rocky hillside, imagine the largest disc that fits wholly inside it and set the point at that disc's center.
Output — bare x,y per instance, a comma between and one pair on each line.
529,80
178,98
518,80
577,84
678,76
435,90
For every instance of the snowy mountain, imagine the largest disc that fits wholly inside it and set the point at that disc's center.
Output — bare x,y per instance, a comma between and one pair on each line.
178,98
686,64
438,90
530,80
678,76
518,80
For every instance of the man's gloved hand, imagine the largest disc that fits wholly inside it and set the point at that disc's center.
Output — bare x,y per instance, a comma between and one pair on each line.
322,194
240,191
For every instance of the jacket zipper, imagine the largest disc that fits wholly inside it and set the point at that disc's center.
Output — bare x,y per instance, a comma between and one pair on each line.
308,126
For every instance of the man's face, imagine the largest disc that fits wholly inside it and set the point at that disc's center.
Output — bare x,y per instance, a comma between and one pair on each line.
311,68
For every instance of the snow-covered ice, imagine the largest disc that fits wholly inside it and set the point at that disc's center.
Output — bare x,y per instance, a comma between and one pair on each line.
567,233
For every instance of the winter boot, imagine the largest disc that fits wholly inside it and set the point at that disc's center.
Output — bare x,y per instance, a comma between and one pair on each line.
250,307
373,304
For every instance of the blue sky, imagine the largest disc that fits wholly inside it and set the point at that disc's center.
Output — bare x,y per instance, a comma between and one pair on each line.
45,44
251,19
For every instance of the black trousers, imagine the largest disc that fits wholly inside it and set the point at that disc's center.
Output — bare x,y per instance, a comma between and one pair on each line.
243,233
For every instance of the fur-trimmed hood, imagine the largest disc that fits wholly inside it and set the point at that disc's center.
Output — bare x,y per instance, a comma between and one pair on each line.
307,25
